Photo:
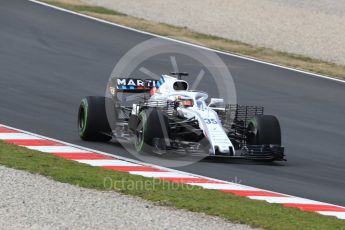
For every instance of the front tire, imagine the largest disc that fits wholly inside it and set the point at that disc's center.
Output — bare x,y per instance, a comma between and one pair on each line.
264,130
93,123
152,124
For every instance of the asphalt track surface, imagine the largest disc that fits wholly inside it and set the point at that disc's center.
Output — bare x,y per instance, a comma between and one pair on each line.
50,59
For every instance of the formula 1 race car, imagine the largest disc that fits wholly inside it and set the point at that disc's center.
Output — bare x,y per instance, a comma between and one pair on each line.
172,118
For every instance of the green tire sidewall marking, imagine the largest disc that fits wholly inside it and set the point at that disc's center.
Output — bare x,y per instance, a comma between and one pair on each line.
252,121
84,104
139,146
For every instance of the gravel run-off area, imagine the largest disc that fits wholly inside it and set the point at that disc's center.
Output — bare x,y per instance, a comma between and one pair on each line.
31,201
314,28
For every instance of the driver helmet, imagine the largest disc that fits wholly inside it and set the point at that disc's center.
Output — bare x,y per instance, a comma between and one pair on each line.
184,101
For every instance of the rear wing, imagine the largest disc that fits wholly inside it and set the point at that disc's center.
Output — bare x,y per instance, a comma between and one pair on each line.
133,85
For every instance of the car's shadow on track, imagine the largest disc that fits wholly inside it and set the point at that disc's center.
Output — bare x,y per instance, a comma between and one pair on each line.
207,159
241,161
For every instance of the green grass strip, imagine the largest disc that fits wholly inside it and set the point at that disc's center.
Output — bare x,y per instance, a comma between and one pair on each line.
233,208
89,8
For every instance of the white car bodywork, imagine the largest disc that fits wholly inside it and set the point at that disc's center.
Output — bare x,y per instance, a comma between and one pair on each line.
206,116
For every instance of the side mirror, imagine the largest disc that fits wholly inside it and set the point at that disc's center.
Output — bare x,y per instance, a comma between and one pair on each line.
216,102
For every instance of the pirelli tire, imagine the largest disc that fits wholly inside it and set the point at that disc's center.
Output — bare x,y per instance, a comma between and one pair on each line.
93,123
264,130
152,124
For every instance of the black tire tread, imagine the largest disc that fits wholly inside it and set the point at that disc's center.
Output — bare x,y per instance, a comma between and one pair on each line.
97,122
268,130
153,127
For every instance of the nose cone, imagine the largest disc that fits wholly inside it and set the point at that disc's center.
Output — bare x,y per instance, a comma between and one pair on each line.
224,148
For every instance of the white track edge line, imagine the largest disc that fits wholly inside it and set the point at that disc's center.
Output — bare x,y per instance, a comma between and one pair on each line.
190,44
156,166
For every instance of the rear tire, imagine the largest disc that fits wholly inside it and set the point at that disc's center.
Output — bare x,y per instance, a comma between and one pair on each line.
264,130
93,123
152,124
